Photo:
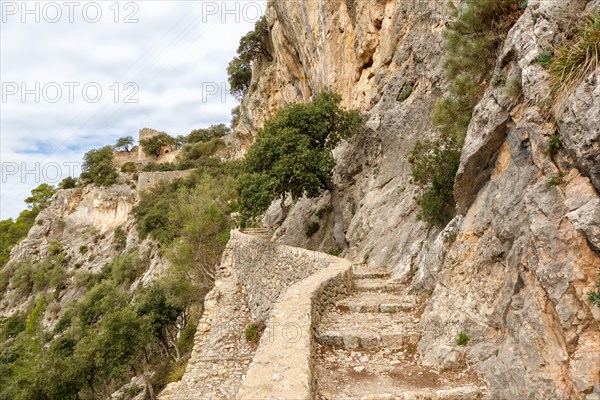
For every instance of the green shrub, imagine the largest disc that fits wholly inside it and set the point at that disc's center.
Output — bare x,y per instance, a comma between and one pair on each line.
128,168
201,149
312,228
119,239
434,165
405,93
554,181
83,249
254,332
207,134
594,296
463,339
125,269
553,144
235,116
22,278
152,145
499,79
68,183
545,58
335,251
12,326
98,167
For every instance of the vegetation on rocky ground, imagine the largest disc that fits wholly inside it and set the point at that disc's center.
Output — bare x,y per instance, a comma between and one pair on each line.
472,41
292,156
575,59
12,232
111,332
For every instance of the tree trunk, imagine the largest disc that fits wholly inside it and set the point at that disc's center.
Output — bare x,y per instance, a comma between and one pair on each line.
284,211
149,386
338,228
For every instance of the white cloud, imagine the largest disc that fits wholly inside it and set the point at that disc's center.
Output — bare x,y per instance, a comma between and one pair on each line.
176,51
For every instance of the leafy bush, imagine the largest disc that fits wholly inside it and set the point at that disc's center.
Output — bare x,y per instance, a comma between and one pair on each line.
312,228
553,144
513,87
154,144
22,278
68,183
98,167
119,239
12,325
554,181
207,134
235,116
128,168
254,332
334,251
126,268
434,166
594,296
462,339
405,93
202,150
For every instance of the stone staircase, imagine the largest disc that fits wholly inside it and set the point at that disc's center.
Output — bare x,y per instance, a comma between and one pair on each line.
367,348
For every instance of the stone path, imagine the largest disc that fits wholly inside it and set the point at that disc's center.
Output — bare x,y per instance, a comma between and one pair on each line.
367,348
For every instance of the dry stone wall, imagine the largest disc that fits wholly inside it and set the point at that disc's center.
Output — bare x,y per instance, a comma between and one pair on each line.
149,180
289,288
267,269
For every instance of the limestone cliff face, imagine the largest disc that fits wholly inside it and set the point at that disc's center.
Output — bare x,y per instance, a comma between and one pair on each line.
84,222
370,52
526,251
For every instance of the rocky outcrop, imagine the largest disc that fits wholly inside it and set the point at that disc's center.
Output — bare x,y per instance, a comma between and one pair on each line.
579,125
514,272
517,276
384,57
83,221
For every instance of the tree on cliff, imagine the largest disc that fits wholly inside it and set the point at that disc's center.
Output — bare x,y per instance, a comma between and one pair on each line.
293,156
98,167
152,145
40,196
206,134
253,45
124,144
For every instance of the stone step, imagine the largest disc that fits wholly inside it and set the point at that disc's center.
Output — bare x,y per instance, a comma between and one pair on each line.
368,330
377,285
370,273
378,302
458,393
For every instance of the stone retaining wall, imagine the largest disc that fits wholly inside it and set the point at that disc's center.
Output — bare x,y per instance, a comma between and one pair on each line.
149,180
288,288
266,269
283,366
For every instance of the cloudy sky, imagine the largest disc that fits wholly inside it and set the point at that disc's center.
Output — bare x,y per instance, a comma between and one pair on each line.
78,75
